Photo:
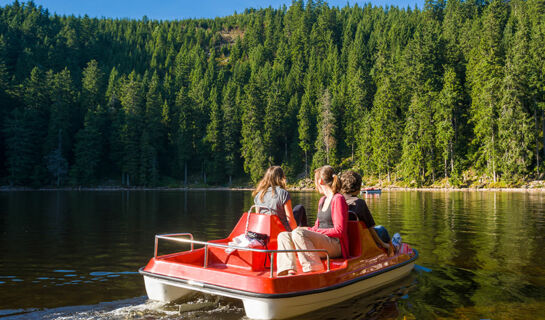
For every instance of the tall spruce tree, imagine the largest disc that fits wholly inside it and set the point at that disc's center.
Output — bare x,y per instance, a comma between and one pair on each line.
253,151
515,125
486,74
131,131
326,140
448,107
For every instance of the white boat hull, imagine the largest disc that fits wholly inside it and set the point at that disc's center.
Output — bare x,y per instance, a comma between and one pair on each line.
167,290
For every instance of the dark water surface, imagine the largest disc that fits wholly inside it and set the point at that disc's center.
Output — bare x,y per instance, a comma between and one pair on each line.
70,254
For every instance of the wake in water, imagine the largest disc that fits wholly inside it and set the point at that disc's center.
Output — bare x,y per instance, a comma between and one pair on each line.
198,306
381,304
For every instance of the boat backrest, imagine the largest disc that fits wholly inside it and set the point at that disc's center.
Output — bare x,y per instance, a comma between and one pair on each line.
361,241
260,223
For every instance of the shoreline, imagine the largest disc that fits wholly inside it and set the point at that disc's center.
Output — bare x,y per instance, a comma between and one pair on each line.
293,189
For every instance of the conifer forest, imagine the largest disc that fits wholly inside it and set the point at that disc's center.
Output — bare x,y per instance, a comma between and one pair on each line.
412,94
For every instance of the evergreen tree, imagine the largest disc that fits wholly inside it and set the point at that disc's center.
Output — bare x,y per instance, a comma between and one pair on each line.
91,86
230,130
448,107
385,126
305,124
24,133
326,141
253,151
131,131
183,136
486,74
63,120
153,133
418,139
515,125
215,139
89,148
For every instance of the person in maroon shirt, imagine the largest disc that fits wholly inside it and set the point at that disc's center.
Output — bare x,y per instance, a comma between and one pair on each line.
330,231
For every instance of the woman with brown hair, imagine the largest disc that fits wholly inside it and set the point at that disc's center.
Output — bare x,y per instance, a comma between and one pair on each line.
351,186
330,231
271,193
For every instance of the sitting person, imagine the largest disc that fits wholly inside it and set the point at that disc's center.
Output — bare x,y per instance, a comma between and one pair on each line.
330,231
351,185
271,193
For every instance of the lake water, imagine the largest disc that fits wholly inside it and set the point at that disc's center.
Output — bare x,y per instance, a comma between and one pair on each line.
69,254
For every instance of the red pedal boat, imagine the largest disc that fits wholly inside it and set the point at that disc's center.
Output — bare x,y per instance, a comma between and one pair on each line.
249,273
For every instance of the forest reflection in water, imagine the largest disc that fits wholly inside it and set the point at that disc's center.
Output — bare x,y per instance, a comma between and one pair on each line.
481,253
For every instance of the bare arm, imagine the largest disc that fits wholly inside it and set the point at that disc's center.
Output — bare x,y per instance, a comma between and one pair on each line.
289,215
377,239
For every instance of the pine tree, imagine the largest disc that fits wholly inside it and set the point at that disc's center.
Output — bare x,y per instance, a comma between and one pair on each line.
215,139
486,74
131,131
24,131
418,139
253,151
153,133
326,141
63,120
274,124
305,124
385,128
515,125
231,129
448,107
536,13
89,148
183,136
91,86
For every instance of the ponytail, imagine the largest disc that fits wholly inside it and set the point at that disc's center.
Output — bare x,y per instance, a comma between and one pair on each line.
336,184
327,174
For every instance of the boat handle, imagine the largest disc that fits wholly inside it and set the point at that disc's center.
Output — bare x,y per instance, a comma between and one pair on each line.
256,207
168,236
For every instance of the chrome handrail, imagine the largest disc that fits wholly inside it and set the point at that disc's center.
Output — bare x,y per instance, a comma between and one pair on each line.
218,245
261,207
168,236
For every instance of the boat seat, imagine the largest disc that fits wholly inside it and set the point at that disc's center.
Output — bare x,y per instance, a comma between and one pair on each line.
354,242
267,224
361,242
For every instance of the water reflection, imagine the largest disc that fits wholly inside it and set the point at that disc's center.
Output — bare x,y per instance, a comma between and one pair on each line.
83,248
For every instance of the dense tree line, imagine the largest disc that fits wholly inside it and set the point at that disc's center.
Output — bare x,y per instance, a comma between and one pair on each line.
411,94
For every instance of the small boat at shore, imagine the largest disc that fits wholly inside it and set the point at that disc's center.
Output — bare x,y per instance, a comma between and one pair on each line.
248,273
367,191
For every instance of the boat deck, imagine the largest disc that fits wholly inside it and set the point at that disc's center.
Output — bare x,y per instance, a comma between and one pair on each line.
250,271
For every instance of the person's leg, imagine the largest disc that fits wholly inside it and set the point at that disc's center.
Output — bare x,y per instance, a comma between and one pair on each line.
285,261
306,239
300,215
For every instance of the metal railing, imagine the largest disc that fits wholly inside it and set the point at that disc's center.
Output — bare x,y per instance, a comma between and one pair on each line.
170,237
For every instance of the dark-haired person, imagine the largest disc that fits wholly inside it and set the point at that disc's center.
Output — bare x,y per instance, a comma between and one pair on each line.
330,231
271,193
351,185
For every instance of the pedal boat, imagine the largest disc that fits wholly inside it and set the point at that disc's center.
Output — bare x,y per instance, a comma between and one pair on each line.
368,191
249,274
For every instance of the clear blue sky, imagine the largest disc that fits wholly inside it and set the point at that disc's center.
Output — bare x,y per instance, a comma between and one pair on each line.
180,9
